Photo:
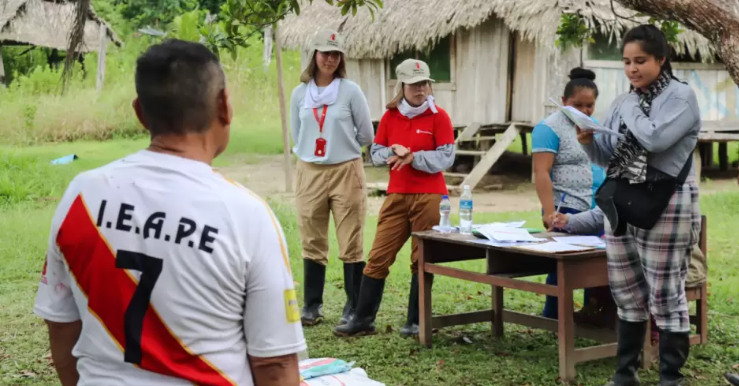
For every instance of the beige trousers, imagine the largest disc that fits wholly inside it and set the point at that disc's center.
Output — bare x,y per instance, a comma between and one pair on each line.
339,190
401,215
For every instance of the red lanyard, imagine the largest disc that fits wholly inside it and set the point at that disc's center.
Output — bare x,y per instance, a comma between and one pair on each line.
320,120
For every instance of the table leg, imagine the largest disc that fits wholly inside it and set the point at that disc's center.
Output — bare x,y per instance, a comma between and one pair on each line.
424,298
497,312
566,325
646,355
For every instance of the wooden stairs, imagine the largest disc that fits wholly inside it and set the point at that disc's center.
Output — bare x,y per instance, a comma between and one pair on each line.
485,159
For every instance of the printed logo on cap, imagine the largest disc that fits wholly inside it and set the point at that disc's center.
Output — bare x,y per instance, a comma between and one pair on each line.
332,41
418,70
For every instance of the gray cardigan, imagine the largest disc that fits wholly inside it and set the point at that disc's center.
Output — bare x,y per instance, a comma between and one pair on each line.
669,133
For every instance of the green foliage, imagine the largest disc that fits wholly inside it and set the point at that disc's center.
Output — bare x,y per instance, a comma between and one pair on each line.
22,60
155,12
240,19
32,112
573,31
670,28
187,25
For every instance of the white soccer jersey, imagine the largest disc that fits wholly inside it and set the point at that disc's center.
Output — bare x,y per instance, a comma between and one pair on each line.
176,273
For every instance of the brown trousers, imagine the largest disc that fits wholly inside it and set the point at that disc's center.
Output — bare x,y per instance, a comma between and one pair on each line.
340,190
401,215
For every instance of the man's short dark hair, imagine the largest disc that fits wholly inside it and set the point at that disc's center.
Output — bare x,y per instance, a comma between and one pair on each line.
178,84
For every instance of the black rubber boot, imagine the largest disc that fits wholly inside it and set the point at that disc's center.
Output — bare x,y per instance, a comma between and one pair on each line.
674,348
314,278
352,284
363,322
411,325
733,379
630,344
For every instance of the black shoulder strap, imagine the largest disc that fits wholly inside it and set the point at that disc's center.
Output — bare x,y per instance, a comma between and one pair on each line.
686,169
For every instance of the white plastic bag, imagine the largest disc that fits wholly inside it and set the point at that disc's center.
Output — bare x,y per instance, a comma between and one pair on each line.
355,377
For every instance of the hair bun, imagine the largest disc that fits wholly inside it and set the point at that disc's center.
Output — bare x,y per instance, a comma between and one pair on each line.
581,73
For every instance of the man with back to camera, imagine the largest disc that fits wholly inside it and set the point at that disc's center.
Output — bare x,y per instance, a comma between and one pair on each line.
160,271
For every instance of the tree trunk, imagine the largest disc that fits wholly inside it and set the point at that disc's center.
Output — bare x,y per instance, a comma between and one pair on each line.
717,20
2,69
283,114
102,50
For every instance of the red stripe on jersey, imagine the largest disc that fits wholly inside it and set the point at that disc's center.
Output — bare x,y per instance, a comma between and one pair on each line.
109,290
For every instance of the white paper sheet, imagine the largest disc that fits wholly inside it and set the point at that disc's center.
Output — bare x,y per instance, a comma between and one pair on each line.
512,224
583,121
500,244
504,234
554,247
592,241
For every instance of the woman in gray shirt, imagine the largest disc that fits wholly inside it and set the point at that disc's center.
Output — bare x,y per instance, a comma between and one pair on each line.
658,122
330,122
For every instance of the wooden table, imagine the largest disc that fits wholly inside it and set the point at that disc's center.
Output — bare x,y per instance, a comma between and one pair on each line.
505,267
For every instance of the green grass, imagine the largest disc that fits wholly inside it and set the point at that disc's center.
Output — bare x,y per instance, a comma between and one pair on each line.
32,112
523,357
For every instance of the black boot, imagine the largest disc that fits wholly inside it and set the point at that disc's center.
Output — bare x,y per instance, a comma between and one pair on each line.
314,278
630,344
732,378
411,324
352,283
673,353
363,322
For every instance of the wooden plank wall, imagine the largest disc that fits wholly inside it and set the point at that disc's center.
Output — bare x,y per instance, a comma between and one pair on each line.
481,73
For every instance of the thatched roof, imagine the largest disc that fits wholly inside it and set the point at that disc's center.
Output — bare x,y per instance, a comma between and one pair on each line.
418,24
538,20
47,24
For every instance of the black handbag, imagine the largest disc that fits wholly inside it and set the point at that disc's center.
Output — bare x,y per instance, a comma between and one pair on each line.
640,205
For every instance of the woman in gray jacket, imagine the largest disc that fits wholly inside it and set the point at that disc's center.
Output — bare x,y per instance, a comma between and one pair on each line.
649,161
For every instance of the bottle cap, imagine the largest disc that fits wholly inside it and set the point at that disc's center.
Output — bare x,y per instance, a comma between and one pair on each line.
445,197
466,187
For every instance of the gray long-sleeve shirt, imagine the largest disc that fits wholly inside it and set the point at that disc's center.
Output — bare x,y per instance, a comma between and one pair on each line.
588,222
347,128
433,161
669,133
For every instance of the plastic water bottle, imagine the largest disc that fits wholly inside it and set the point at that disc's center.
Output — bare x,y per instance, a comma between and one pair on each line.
445,210
465,211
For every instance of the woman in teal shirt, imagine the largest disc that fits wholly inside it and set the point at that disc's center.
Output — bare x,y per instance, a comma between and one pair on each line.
563,172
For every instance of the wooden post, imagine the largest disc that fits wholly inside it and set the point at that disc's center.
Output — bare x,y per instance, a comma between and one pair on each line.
723,157
2,69
698,164
283,113
101,57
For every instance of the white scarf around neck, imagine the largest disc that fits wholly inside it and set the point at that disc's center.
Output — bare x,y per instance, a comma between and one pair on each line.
410,112
315,99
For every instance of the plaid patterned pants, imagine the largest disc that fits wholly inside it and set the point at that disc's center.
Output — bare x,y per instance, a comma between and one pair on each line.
647,268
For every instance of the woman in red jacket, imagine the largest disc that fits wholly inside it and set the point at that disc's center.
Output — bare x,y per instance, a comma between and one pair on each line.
416,139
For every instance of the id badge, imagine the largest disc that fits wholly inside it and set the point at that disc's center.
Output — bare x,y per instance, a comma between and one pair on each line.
320,147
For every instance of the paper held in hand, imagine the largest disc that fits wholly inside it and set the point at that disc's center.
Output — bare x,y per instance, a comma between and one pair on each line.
583,121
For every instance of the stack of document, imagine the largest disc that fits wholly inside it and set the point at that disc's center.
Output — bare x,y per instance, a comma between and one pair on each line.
512,224
554,247
506,234
587,241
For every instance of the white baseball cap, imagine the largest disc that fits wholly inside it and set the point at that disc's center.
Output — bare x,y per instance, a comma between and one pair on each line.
412,71
327,40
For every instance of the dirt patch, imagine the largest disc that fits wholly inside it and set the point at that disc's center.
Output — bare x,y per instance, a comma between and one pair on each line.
509,192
